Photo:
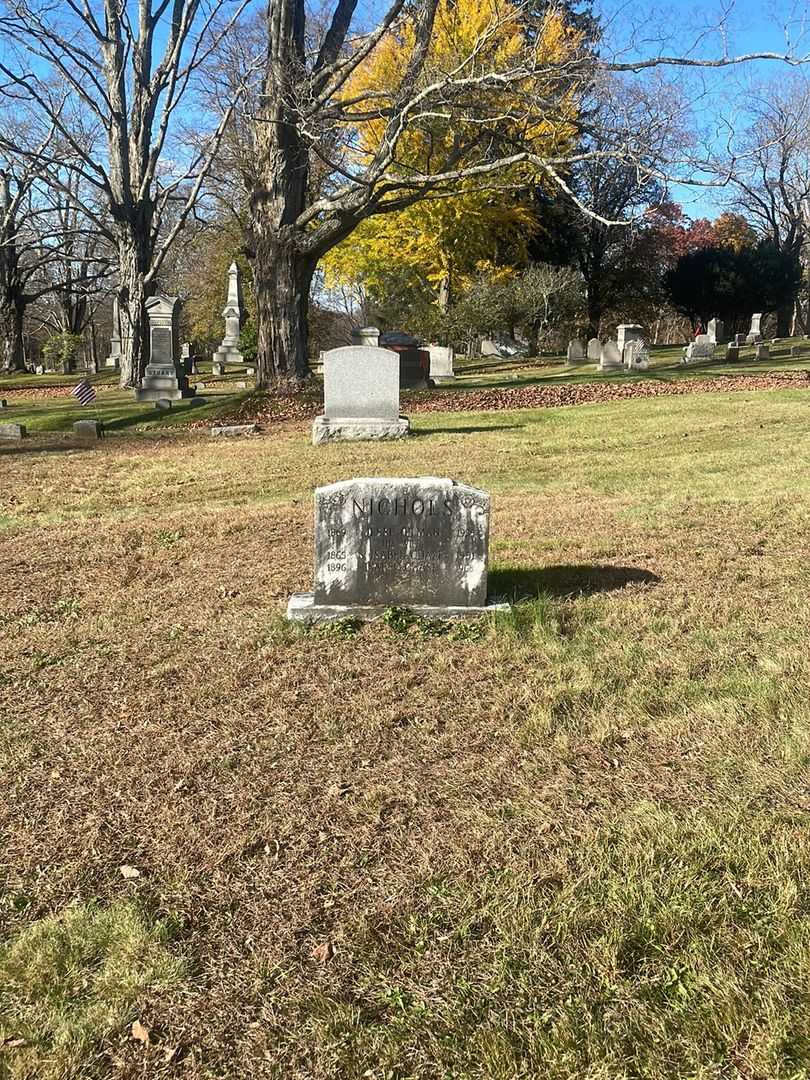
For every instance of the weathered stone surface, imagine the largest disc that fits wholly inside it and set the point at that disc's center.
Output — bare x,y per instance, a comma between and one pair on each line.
594,349
229,352
795,350
88,430
359,430
732,354
575,354
250,371
715,331
628,332
610,356
755,333
163,378
418,542
635,356
699,349
230,430
196,401
163,403
217,368
368,336
441,363
12,431
762,352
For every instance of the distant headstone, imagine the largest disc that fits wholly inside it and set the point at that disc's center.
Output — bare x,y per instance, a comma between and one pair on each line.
416,542
164,404
715,331
795,350
39,370
635,356
361,396
114,359
366,335
610,357
230,430
594,349
164,379
575,353
732,354
88,430
3,403
217,368
762,352
739,339
13,431
699,349
441,363
628,332
229,352
186,359
754,335
250,371
197,401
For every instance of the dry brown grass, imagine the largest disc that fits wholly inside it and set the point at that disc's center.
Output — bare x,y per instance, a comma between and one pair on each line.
485,832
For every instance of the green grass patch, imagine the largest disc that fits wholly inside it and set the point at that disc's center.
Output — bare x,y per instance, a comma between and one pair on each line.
70,980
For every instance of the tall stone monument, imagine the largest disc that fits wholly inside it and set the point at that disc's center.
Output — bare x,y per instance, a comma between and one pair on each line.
416,542
360,396
228,352
114,359
164,376
754,335
716,331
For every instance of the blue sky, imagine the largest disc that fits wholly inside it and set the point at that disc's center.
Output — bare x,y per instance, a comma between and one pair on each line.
685,27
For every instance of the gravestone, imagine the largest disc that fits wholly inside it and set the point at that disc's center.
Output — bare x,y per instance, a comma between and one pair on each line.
416,542
699,349
230,430
441,363
229,352
762,352
754,335
163,378
715,331
575,353
732,354
635,356
594,349
217,368
114,359
88,430
628,332
3,403
360,396
13,431
610,357
366,335
739,340
795,350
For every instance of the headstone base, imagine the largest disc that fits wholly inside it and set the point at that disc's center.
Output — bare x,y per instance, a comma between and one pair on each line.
88,430
359,429
302,608
163,381
225,355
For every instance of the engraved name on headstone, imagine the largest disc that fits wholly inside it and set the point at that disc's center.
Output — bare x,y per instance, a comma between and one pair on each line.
416,542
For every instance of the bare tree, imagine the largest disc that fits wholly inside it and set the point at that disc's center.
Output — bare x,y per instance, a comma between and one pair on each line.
111,80
475,115
770,172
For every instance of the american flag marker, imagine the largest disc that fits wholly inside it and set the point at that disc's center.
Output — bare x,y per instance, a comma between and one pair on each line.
84,392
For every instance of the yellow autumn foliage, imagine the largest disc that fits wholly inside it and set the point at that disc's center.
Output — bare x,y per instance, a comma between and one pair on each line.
445,238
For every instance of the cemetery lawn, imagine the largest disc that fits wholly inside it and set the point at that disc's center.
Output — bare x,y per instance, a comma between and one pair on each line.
570,842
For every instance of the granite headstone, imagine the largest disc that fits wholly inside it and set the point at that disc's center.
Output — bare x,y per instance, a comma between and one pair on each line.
416,542
361,396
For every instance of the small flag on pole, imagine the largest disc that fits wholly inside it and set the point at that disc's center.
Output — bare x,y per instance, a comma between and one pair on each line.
84,392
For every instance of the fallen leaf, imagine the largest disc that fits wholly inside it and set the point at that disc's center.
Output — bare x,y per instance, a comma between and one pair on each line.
14,1042
170,1053
322,953
139,1032
129,872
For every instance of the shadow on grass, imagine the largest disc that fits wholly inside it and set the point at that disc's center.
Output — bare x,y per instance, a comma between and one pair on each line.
525,583
465,429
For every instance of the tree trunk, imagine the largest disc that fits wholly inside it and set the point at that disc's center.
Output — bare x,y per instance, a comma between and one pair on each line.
784,316
282,278
12,354
593,301
134,259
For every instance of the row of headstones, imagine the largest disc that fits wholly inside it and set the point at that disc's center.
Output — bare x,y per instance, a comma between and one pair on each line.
628,351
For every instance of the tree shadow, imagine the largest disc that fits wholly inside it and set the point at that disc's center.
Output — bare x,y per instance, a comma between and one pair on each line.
527,583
